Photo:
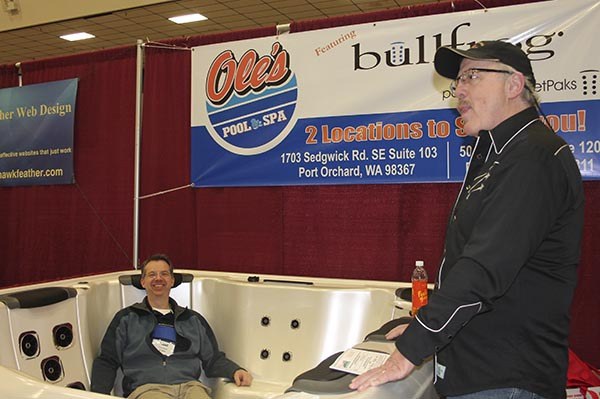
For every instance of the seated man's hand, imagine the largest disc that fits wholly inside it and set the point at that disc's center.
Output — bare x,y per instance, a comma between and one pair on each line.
242,378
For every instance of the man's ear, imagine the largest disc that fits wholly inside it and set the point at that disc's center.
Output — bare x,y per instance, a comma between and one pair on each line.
143,281
515,84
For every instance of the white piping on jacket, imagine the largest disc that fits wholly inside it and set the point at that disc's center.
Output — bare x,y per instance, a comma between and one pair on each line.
450,318
513,136
557,151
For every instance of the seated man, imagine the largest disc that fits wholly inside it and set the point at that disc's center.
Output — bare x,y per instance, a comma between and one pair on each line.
161,347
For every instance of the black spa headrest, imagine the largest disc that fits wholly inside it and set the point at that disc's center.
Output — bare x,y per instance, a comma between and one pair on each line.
406,293
37,297
134,279
379,334
322,380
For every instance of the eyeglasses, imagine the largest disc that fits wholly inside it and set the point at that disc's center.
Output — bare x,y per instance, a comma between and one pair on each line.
163,274
470,76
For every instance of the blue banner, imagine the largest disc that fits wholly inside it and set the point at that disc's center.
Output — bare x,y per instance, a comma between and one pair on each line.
36,133
426,146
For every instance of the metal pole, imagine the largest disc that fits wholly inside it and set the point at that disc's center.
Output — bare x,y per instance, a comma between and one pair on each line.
139,78
19,73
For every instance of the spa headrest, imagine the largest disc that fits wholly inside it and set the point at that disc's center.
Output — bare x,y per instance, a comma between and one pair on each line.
379,334
322,380
134,279
406,293
38,297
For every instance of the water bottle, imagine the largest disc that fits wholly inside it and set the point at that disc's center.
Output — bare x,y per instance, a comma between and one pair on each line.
419,287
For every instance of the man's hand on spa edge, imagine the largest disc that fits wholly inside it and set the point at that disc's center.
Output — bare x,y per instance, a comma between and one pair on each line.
395,368
242,378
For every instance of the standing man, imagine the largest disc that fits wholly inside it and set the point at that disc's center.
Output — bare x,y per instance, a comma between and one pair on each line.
498,322
161,347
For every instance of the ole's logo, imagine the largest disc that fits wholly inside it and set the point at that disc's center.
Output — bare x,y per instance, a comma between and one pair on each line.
250,102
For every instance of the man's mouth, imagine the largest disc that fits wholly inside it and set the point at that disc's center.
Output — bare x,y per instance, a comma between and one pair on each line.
463,107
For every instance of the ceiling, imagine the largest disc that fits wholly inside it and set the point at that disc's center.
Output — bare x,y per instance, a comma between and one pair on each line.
28,31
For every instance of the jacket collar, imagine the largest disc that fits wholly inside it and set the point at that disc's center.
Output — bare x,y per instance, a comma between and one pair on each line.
507,130
145,306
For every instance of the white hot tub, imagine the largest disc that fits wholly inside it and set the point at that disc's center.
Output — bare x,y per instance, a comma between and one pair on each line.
276,327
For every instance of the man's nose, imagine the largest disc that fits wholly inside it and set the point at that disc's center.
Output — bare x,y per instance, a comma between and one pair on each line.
460,90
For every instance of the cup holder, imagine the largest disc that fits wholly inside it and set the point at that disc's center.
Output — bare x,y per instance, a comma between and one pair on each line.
77,385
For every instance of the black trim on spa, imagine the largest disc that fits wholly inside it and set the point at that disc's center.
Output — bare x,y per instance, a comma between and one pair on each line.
38,297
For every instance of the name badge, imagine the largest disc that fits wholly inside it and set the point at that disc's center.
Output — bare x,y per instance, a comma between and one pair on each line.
440,370
165,347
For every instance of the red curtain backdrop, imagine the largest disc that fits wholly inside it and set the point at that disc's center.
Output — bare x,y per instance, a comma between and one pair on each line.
51,232
8,76
359,232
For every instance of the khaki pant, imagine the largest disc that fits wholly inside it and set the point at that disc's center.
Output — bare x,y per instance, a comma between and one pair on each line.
188,390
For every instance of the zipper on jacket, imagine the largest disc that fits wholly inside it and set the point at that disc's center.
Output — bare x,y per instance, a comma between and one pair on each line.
435,368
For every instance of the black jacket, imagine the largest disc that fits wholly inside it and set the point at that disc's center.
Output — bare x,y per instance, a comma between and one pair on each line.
500,314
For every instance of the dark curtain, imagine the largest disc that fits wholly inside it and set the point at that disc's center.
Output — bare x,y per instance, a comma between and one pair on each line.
8,76
168,222
359,232
51,232
184,223
585,311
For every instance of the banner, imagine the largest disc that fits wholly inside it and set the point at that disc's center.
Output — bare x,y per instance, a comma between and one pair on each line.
36,134
362,104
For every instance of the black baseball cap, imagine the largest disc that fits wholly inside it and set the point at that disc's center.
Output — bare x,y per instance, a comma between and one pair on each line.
447,59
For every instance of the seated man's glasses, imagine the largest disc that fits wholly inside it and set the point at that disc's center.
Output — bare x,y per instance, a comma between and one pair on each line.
163,274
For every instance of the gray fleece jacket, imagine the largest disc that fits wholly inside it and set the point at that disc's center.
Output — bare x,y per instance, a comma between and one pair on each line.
127,344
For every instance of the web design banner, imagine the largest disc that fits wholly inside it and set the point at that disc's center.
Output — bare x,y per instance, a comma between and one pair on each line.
362,104
36,133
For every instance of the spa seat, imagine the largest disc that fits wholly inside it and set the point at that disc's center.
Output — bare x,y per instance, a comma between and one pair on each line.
133,280
326,382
